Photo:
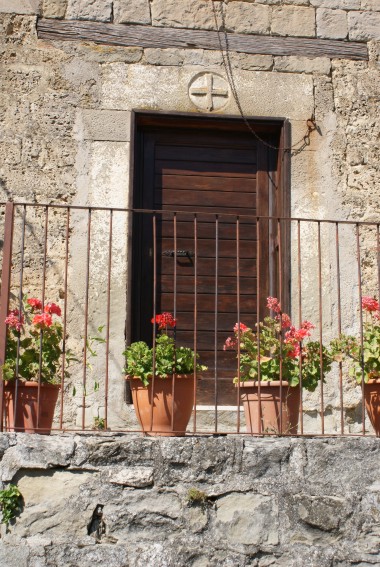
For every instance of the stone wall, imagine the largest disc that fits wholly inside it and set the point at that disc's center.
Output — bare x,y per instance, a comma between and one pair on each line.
278,501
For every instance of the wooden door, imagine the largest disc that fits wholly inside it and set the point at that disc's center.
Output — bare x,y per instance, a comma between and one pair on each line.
211,184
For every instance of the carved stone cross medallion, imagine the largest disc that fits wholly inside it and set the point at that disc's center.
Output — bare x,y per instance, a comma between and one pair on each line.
209,91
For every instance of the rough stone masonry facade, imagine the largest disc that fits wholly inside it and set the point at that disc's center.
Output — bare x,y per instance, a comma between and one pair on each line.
261,502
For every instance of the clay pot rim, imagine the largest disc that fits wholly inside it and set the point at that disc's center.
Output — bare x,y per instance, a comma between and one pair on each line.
264,384
30,384
371,381
168,377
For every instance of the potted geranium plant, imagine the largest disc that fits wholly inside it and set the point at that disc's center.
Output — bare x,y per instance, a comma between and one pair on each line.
162,380
363,355
33,356
271,361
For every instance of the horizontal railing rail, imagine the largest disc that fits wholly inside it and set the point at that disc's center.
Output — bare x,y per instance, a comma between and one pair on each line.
80,284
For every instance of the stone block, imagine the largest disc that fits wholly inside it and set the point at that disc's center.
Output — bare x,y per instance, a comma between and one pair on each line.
247,18
257,526
98,10
373,5
293,21
337,4
131,11
364,25
155,56
293,64
196,14
331,23
138,477
106,125
54,8
250,62
20,7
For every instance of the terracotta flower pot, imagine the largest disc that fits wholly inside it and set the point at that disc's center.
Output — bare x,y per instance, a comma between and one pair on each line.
372,403
163,404
27,407
269,407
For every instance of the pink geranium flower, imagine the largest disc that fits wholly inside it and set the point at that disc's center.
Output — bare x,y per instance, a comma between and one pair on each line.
273,304
243,328
15,320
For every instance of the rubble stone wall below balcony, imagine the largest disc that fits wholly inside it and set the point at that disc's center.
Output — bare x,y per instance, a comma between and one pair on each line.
284,502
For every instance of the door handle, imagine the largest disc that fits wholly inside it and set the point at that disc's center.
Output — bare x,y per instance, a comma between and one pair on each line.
178,253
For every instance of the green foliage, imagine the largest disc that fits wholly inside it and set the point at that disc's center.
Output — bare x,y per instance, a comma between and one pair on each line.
99,423
363,361
169,359
274,350
195,496
10,502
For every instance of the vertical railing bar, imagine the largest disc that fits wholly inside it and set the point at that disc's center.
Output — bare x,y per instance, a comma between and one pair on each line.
300,315
20,307
195,318
174,312
339,325
67,235
154,226
320,326
216,321
281,301
43,305
361,323
378,259
4,297
108,318
84,383
238,316
258,283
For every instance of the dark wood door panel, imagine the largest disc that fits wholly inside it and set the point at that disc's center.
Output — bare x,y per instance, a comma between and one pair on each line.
206,247
226,230
205,302
209,168
206,183
228,213
205,153
205,198
205,284
206,266
206,321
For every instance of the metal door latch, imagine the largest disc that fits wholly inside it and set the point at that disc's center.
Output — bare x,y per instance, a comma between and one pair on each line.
178,253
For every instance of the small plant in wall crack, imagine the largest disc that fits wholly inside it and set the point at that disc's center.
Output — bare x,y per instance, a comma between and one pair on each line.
197,497
10,503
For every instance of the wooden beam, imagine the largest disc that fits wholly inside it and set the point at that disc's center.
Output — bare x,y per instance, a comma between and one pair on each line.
161,37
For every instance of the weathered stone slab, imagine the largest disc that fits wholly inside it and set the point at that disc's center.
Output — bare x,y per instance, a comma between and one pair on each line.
249,62
364,25
337,4
54,8
131,11
373,5
257,526
98,10
293,20
125,90
20,6
197,14
331,23
247,18
105,125
320,65
138,477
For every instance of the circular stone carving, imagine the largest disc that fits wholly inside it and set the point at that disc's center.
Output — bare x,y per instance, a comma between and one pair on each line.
209,91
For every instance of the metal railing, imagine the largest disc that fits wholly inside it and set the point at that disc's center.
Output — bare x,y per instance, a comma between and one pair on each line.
112,270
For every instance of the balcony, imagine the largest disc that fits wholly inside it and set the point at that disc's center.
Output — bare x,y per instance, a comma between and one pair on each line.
110,271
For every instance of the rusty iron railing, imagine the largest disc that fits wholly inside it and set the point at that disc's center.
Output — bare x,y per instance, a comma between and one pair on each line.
110,273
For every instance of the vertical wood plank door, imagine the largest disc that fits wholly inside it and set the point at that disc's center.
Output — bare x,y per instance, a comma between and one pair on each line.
208,186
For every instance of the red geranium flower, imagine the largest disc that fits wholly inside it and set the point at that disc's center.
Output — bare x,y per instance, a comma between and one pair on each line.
52,308
370,304
34,303
164,320
243,328
42,321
